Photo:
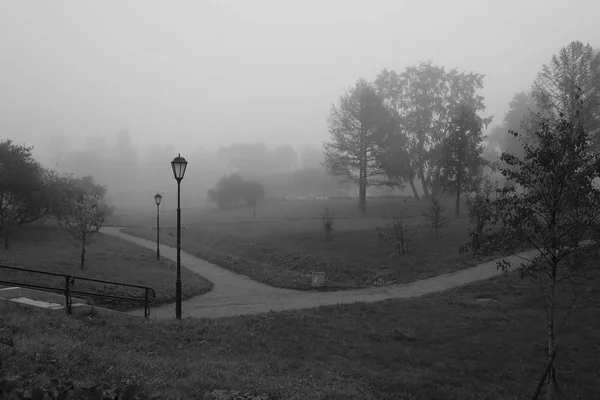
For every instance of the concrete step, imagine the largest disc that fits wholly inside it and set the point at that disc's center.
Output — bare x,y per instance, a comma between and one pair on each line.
43,304
36,299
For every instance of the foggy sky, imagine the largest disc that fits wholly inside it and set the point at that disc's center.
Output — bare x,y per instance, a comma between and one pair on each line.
212,73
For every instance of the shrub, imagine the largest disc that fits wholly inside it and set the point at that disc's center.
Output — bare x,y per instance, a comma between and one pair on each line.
395,235
481,213
435,215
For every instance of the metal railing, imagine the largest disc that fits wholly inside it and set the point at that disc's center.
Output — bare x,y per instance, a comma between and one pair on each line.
70,281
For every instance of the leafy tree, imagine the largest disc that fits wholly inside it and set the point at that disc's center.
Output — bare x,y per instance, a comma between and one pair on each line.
423,98
233,191
22,187
397,160
63,189
570,85
417,97
357,127
460,155
81,223
558,210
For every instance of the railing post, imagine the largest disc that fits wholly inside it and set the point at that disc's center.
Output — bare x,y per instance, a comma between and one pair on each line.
68,294
146,304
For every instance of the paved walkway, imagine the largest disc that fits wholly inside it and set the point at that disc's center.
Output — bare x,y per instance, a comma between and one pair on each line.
235,294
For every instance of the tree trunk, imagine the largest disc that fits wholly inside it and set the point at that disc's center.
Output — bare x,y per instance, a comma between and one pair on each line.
424,184
82,254
414,189
362,183
6,237
457,201
437,190
362,197
550,317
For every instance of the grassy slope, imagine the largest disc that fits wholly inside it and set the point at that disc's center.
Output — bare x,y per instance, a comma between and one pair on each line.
283,252
107,258
447,346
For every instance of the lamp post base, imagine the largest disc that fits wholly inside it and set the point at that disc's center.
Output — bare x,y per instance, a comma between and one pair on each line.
178,299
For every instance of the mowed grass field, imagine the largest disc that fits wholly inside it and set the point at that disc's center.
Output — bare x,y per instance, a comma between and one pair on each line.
451,345
286,242
48,248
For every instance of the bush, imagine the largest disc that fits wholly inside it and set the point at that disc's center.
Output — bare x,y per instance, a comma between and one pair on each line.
481,210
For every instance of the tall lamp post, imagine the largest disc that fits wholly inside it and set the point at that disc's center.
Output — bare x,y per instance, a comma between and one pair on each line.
179,165
157,199
255,193
97,197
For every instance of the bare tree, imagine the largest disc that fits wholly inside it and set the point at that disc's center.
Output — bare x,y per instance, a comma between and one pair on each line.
435,215
395,235
327,220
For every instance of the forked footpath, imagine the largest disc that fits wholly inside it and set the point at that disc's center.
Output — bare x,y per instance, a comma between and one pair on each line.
234,294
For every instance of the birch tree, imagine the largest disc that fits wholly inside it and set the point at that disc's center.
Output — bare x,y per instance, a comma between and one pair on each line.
557,216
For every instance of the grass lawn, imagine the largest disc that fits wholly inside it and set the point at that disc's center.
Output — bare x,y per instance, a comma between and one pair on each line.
284,251
107,258
445,346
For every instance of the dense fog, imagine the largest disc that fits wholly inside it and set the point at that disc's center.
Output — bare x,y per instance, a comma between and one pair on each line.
117,89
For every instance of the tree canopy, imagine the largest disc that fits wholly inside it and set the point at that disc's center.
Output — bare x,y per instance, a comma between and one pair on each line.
233,191
460,154
29,192
424,98
22,186
569,86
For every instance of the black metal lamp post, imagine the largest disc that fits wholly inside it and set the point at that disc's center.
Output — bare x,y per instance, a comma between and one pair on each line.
97,197
157,199
179,165
255,193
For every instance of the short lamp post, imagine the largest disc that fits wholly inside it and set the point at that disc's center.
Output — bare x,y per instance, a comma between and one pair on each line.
254,214
157,200
179,165
97,197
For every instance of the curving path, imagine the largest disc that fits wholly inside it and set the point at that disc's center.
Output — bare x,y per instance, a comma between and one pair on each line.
235,294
